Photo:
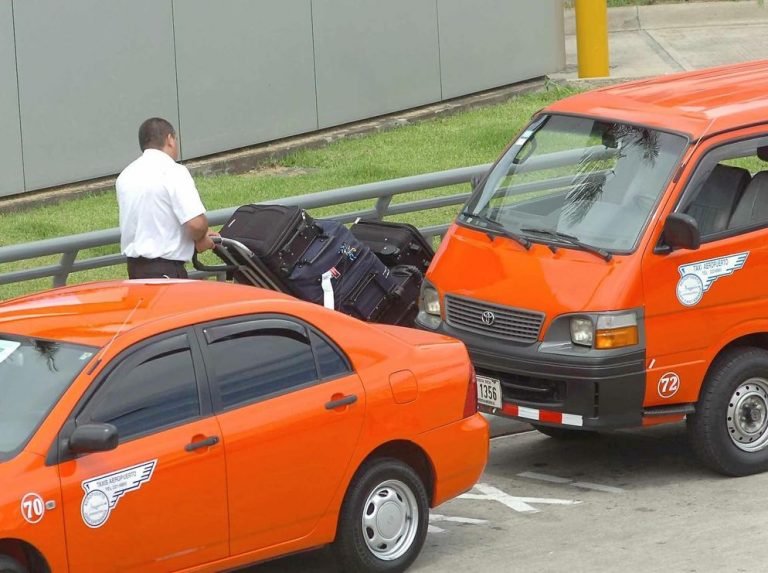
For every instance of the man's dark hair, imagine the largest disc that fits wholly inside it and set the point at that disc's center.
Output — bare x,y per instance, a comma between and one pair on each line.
153,133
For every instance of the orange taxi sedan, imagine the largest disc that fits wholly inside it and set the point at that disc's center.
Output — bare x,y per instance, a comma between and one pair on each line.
200,426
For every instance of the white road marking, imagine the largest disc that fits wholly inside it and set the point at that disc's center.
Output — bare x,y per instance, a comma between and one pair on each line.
435,529
579,484
515,435
520,504
470,520
544,477
597,486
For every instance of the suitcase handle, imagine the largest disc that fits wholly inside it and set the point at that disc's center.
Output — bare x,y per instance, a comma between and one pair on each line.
217,244
303,261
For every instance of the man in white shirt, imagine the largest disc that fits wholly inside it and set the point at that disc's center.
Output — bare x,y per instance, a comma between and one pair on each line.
162,219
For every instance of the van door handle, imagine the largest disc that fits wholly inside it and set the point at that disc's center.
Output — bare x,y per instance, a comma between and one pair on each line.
206,443
345,401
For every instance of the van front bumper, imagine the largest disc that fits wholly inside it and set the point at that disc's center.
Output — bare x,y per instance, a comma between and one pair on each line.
590,390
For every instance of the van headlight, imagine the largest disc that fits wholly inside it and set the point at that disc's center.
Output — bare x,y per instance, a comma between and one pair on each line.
429,306
605,331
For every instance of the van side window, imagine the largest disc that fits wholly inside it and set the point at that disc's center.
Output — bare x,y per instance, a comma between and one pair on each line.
729,191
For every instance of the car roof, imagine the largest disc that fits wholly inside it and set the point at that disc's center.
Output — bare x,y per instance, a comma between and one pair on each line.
693,103
93,313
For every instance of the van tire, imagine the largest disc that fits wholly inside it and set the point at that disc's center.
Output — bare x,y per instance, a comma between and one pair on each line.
400,485
10,565
564,433
729,431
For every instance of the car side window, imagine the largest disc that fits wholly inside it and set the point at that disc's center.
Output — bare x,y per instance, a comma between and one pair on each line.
258,359
153,390
729,191
330,361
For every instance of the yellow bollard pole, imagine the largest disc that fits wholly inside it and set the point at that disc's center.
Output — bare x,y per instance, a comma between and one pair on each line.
592,38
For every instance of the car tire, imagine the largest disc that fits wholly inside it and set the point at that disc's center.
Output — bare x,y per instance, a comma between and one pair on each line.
384,519
729,430
564,433
10,565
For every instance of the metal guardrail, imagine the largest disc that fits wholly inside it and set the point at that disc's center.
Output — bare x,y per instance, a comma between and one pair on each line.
69,247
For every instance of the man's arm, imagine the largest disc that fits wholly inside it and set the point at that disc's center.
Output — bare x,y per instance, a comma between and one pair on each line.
197,228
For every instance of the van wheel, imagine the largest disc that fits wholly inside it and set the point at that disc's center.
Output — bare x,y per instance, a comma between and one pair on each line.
10,565
564,433
384,518
729,431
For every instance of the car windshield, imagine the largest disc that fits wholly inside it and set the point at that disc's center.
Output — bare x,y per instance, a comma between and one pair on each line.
577,182
33,375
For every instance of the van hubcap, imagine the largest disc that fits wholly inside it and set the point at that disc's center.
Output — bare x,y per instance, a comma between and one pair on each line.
747,415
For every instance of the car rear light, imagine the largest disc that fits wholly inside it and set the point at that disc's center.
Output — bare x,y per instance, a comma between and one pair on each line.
470,402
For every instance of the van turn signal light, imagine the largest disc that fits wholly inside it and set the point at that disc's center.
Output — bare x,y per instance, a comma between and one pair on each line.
616,337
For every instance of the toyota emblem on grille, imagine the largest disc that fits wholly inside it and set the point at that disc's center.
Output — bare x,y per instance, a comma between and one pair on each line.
488,318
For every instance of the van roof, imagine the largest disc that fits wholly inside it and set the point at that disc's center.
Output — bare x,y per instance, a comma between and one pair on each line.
693,103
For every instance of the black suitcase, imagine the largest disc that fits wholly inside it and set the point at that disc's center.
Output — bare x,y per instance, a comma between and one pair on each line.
336,260
403,305
395,243
277,234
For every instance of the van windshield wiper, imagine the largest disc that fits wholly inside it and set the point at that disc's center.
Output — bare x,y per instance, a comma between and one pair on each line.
499,228
571,240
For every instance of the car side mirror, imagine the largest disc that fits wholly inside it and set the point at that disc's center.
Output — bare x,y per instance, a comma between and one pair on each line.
93,438
681,232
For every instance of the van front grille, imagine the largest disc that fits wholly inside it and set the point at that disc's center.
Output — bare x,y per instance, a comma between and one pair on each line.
493,320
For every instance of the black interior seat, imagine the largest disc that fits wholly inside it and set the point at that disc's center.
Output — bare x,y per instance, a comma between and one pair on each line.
753,206
713,206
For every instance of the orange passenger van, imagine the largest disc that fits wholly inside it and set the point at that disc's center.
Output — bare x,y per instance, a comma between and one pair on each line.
611,269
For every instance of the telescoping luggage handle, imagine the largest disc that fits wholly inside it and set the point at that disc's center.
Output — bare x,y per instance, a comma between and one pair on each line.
240,259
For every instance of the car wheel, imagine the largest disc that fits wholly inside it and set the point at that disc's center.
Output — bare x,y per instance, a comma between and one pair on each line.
10,565
384,518
564,433
729,431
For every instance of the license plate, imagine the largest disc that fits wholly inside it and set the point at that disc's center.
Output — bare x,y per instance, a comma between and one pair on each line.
489,391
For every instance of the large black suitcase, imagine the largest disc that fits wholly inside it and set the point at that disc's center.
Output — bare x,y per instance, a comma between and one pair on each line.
337,263
395,243
403,305
278,234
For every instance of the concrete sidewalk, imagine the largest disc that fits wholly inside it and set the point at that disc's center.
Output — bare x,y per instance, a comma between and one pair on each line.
667,38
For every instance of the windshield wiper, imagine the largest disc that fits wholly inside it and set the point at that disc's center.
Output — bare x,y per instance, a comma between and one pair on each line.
500,229
571,240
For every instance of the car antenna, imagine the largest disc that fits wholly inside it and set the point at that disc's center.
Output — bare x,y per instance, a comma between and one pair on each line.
119,330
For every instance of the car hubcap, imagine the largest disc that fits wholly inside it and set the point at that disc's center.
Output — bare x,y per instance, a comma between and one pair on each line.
747,417
390,520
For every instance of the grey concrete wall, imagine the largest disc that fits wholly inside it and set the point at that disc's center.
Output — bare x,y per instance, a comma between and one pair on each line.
11,169
234,73
253,77
374,57
103,67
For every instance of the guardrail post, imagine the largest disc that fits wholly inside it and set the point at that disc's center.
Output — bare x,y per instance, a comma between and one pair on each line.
65,266
382,206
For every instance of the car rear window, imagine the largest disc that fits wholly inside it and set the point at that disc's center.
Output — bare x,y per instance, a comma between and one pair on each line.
34,373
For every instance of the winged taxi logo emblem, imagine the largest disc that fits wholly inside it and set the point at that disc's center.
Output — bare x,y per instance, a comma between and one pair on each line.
103,492
697,278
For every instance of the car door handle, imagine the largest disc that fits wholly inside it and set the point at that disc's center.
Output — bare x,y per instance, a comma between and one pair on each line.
345,401
206,443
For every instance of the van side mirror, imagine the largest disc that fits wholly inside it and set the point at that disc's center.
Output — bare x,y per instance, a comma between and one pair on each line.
680,232
93,438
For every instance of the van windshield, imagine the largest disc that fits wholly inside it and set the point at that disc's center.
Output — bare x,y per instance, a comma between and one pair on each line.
33,375
578,183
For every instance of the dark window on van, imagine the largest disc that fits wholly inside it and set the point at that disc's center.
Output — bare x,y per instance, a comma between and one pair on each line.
728,192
